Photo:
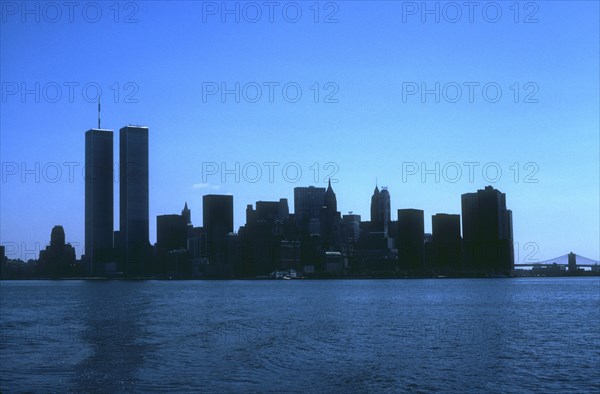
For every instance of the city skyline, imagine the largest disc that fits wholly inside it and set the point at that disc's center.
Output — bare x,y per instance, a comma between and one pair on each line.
377,129
265,196
237,210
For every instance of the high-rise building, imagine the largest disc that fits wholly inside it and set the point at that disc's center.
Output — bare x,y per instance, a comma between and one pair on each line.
261,239
308,202
171,232
351,227
330,200
134,198
171,244
217,215
98,199
332,226
487,232
446,243
187,214
380,210
268,211
375,206
410,238
58,258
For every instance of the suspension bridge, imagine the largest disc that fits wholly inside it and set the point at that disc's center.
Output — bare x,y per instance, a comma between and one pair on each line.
571,260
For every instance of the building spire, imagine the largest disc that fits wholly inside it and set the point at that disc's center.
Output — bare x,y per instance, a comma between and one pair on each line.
98,112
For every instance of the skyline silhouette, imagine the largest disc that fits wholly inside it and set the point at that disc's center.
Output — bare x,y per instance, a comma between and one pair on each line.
315,240
384,124
320,196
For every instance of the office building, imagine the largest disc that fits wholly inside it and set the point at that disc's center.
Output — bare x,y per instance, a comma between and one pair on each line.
446,243
487,232
217,212
99,185
308,202
410,239
134,199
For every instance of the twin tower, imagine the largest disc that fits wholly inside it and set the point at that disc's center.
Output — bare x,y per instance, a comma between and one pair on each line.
108,251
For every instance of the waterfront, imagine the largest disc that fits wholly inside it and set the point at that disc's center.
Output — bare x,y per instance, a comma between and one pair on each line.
476,335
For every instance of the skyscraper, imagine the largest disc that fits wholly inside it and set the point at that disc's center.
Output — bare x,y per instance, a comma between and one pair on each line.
487,232
171,244
351,227
410,238
380,210
187,214
171,232
375,207
308,202
58,259
217,216
446,242
134,198
261,242
98,199
330,200
332,226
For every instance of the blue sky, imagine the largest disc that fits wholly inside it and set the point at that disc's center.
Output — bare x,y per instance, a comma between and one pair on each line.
156,72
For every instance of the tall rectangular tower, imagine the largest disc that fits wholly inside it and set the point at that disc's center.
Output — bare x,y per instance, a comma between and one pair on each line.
98,199
410,238
308,202
446,243
134,199
487,232
217,216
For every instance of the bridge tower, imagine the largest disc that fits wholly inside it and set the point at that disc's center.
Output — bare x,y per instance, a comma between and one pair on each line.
572,262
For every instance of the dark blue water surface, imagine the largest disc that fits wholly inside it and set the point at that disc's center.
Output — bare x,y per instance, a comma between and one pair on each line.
445,335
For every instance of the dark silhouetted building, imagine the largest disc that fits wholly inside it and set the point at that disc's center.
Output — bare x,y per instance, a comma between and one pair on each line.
171,235
446,243
262,236
217,212
171,232
307,208
332,226
572,262
58,259
410,239
487,232
98,199
3,262
187,214
351,227
134,199
197,245
380,210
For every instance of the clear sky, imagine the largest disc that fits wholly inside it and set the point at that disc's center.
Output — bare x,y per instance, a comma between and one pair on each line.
165,64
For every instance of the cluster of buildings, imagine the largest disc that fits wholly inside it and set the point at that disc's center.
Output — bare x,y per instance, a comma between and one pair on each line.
315,240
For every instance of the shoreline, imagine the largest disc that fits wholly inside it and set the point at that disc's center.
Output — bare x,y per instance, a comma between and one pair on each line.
298,279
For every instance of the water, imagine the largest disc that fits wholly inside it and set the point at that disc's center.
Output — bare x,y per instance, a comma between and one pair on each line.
446,335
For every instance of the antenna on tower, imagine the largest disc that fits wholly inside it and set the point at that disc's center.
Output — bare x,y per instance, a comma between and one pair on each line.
98,112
